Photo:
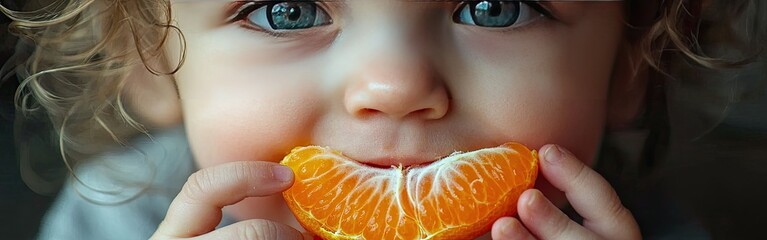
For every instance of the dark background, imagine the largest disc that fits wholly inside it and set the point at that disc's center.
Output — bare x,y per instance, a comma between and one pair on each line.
716,182
20,208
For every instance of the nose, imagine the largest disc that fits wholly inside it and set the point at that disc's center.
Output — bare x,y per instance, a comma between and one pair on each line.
397,85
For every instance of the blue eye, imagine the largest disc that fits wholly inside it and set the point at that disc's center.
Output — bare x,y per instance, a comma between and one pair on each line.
283,15
497,14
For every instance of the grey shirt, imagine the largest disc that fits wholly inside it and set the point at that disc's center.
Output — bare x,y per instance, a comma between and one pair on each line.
123,194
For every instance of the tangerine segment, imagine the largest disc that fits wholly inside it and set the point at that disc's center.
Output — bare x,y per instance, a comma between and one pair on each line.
457,197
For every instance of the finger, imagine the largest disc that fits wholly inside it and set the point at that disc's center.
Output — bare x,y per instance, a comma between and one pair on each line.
546,221
589,194
197,208
508,228
256,229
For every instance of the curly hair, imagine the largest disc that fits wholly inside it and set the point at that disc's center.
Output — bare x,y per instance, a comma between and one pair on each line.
77,69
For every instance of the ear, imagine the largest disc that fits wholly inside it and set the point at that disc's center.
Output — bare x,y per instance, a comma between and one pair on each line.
152,99
628,88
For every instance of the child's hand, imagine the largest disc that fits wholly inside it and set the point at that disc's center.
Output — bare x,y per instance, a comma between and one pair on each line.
196,211
590,194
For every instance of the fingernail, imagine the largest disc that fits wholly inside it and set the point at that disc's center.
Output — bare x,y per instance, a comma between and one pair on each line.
507,229
554,154
282,173
531,199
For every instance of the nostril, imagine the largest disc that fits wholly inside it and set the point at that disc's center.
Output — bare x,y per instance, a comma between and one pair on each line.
420,113
424,113
367,112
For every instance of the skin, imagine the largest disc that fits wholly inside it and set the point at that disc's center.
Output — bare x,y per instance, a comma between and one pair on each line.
393,82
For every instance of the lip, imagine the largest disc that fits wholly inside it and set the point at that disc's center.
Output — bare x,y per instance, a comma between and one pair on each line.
390,162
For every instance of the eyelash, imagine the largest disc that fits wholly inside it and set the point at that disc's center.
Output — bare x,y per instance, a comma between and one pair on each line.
535,4
239,11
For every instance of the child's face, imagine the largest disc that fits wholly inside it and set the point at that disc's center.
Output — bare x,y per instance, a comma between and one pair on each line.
390,82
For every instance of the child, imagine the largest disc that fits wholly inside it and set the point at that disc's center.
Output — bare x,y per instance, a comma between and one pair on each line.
385,82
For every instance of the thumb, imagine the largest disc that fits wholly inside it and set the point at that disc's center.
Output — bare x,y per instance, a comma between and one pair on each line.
256,229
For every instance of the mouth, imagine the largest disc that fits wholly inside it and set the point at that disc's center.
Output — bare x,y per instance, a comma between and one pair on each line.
388,163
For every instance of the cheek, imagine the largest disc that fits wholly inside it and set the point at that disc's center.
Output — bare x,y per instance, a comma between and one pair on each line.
575,125
536,119
539,90
238,116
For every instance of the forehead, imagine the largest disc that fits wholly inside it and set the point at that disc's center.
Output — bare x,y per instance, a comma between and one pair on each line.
394,0
413,1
